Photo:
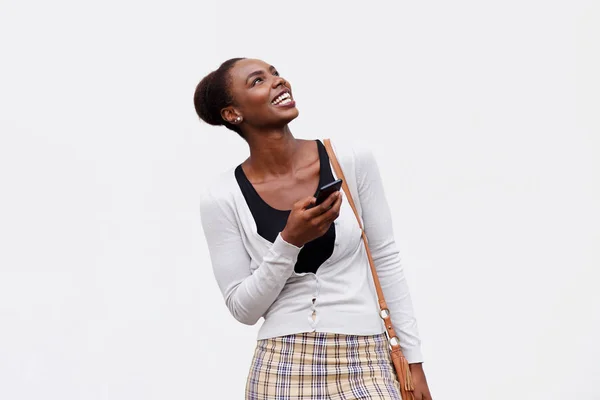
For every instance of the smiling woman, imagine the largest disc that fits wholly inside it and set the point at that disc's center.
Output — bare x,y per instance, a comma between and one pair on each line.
302,267
243,87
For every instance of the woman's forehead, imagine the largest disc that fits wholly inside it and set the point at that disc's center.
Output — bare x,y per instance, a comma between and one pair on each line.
247,66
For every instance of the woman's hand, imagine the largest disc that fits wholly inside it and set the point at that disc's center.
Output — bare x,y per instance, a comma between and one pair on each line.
307,223
420,382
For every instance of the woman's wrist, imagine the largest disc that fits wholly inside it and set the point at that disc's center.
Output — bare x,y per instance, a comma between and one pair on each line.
417,367
290,239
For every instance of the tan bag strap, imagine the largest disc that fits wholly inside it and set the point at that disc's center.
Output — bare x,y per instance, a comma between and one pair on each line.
398,359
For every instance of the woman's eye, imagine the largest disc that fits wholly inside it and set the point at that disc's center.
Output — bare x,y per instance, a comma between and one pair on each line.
254,82
276,73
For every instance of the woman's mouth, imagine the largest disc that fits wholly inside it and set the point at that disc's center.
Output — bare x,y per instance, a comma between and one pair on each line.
284,99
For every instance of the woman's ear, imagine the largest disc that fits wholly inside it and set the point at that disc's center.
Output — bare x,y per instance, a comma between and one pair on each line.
230,115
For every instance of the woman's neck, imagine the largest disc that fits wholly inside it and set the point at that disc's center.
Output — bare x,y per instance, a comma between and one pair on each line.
272,153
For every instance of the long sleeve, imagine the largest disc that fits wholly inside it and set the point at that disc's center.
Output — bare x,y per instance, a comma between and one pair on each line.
378,227
247,294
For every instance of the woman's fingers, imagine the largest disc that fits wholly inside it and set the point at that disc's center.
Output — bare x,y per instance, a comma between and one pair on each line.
305,203
335,209
329,215
323,207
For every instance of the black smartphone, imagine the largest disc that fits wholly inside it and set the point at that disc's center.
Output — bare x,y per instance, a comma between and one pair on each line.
325,190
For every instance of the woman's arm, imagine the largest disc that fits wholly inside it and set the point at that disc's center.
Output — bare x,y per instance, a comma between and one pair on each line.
378,227
247,295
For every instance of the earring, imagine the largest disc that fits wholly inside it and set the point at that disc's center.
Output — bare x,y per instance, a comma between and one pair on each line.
238,119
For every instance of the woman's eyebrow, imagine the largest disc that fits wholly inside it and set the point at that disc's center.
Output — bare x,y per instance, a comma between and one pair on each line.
255,73
260,72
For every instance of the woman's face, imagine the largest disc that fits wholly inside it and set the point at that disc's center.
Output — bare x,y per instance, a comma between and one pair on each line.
260,96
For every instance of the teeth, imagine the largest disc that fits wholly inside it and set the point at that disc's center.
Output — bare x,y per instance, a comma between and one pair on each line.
281,98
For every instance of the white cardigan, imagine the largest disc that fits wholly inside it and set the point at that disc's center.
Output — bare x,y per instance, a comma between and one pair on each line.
257,277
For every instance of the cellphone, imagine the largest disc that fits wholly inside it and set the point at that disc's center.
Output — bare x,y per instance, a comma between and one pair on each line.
325,190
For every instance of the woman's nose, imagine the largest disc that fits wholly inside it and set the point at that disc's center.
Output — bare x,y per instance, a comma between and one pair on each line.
279,82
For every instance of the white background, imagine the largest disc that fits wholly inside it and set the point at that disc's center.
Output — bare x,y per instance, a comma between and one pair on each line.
484,117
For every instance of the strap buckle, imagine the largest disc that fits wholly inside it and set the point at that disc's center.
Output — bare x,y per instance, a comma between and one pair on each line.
384,313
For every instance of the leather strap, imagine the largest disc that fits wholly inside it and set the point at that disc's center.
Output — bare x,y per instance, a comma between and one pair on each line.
382,304
398,359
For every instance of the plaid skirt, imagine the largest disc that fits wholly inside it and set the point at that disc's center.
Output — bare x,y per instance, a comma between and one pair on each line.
319,366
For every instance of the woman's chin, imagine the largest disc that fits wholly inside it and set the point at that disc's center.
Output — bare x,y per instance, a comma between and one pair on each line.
290,115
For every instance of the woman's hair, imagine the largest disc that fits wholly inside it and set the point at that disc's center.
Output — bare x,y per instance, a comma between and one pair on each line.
212,95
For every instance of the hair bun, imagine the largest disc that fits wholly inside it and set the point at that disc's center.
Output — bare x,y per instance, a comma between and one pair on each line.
212,95
205,108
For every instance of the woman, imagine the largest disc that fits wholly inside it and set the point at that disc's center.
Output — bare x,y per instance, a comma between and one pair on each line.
301,266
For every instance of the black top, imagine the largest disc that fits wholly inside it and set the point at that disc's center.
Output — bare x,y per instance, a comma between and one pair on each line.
270,221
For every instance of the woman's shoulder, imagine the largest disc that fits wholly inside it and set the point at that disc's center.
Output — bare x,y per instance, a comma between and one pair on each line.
351,151
220,189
